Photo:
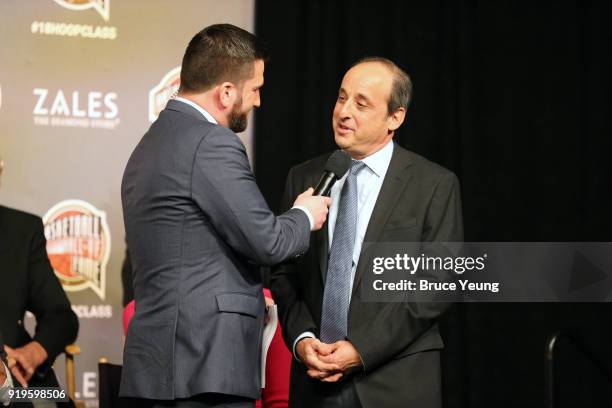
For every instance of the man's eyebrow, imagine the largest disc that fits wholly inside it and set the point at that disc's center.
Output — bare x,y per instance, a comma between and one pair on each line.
364,97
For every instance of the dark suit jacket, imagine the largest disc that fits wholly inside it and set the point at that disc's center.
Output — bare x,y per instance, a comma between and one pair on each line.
398,342
29,284
197,228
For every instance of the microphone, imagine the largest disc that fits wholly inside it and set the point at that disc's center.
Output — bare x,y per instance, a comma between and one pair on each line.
337,165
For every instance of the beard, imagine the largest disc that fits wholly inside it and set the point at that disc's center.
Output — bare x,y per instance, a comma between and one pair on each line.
238,119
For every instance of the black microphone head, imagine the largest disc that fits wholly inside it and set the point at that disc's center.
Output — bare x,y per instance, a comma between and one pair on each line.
338,163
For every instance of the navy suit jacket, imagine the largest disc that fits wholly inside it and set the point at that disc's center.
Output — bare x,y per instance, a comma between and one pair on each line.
198,228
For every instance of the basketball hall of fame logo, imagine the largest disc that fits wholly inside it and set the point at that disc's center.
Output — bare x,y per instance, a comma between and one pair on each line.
101,6
78,245
163,91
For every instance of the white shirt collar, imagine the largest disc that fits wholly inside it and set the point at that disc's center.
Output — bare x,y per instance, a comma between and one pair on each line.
200,109
379,161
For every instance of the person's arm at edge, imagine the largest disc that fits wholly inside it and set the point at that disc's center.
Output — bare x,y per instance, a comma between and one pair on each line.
56,324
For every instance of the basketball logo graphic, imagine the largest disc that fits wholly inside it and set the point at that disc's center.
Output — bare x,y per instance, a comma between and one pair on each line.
101,6
78,245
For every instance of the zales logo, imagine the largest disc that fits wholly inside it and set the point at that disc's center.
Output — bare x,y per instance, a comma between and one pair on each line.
95,110
78,245
162,92
101,6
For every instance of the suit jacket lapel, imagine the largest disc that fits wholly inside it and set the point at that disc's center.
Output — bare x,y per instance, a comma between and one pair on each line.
393,186
322,243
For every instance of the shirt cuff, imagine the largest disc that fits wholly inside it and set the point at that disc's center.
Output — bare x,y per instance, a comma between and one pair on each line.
310,219
8,384
300,337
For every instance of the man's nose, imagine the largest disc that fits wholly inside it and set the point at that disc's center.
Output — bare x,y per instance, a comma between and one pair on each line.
345,110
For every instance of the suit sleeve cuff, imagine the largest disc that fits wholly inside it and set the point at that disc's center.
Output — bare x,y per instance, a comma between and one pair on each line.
310,219
300,337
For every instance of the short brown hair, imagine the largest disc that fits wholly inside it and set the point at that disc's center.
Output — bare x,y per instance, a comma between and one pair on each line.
401,89
219,53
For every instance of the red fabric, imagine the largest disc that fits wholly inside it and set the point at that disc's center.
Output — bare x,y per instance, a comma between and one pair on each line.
278,365
278,368
268,293
128,312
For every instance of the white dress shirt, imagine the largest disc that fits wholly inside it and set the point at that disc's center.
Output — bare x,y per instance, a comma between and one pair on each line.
369,182
200,109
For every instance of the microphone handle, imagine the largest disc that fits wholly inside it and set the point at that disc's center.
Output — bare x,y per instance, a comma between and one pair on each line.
325,185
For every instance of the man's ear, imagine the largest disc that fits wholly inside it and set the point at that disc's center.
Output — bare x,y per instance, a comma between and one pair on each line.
228,93
395,120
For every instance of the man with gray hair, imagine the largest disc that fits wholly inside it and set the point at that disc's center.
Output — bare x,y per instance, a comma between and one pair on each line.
354,353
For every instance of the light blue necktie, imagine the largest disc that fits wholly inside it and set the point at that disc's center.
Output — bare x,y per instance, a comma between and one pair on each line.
337,293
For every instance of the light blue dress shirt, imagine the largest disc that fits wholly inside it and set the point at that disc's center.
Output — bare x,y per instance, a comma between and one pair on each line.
369,183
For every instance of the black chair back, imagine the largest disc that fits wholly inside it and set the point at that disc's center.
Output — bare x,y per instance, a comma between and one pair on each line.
109,380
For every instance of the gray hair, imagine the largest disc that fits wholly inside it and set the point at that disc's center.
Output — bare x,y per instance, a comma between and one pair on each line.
401,89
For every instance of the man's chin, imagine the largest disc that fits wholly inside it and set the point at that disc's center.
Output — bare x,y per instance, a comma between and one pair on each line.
341,141
238,128
238,123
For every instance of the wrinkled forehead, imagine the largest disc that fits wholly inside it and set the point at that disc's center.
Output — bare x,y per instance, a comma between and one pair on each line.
372,79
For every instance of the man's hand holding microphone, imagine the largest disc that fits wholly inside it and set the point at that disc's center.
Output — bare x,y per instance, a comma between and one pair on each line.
316,200
316,206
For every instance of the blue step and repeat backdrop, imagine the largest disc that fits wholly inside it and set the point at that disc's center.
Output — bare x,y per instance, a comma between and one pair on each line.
80,83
